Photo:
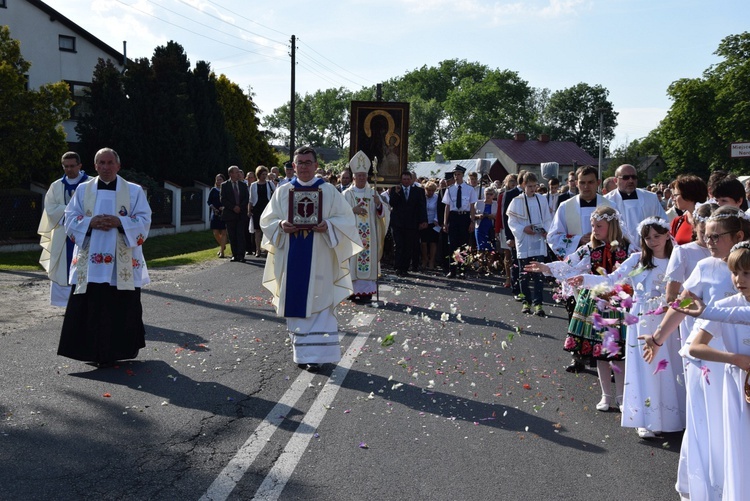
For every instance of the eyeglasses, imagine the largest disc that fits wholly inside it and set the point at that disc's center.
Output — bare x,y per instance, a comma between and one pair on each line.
628,177
715,237
305,163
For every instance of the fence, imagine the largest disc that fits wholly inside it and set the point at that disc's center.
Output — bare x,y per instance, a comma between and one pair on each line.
174,210
21,210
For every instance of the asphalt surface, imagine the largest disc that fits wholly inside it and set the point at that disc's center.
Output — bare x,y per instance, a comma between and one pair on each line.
469,402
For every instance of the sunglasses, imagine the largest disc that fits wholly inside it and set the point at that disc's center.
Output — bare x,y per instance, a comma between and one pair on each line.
628,177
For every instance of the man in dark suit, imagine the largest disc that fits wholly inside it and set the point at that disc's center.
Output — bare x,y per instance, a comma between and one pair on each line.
408,215
235,197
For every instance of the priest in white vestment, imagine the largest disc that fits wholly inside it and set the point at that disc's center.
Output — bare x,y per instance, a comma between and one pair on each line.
633,203
307,270
372,219
57,248
108,218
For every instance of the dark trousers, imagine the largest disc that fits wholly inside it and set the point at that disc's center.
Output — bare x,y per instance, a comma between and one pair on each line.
528,280
236,233
404,240
514,271
458,234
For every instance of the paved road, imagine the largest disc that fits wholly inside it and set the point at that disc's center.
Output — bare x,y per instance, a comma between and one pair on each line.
457,408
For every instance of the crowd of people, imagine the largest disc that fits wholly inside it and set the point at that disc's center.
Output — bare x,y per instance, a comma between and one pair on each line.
633,267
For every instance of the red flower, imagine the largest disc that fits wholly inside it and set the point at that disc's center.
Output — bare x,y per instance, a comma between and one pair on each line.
139,240
108,258
585,348
98,258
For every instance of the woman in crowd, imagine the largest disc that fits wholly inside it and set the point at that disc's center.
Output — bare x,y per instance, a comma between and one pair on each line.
688,190
260,193
430,235
509,183
218,227
484,220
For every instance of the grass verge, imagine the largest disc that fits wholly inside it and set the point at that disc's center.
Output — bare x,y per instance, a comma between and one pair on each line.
168,250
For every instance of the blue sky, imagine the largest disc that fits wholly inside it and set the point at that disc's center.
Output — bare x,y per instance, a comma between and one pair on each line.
634,48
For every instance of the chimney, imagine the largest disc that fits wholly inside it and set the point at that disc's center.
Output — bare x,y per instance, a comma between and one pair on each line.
544,138
520,136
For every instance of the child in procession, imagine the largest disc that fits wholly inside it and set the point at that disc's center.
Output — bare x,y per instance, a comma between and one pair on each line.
607,249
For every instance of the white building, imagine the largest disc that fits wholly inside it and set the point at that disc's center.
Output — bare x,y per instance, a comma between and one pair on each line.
58,49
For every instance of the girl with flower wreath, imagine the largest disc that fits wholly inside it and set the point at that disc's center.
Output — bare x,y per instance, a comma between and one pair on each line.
734,356
700,470
606,250
654,400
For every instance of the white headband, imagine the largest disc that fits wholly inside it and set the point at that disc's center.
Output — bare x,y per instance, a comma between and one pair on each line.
606,217
653,220
745,244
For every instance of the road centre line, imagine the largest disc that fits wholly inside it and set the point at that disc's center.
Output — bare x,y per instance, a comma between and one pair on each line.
230,476
282,470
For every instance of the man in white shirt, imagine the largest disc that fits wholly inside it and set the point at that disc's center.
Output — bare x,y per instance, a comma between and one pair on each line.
633,204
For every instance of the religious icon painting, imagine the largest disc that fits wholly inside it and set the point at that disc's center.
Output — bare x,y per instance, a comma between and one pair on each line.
381,130
305,207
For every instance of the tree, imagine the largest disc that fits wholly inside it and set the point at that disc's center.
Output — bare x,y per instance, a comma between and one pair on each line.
249,146
33,139
493,106
709,113
574,116
463,146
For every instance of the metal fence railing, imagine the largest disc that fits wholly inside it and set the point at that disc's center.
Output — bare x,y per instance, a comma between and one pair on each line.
21,210
160,200
192,205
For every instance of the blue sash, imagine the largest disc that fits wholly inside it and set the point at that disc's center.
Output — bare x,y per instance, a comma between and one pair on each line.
299,267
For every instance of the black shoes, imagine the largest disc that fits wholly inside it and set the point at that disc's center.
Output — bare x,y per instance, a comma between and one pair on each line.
575,367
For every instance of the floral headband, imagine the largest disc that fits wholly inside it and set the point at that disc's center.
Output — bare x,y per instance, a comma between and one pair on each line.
652,221
606,217
739,214
745,244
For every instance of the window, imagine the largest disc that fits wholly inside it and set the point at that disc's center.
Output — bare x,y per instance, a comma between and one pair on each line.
3,4
489,155
67,43
80,92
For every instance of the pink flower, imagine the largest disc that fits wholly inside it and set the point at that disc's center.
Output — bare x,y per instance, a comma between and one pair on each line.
629,319
570,343
626,303
705,370
597,350
601,322
661,366
609,343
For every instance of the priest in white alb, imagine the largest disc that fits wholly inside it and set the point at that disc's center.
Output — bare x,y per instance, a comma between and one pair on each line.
309,242
373,217
57,248
108,218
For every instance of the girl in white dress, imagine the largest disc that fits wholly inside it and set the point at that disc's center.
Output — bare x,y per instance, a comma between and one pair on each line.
654,400
735,356
700,471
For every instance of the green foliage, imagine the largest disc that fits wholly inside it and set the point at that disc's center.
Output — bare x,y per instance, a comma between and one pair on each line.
574,113
709,113
321,119
33,139
463,146
170,122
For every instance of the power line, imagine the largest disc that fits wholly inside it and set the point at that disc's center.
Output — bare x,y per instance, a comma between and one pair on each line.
248,19
199,34
316,72
283,44
311,58
335,64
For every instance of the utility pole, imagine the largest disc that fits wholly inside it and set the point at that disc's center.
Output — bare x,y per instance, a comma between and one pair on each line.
601,135
293,102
